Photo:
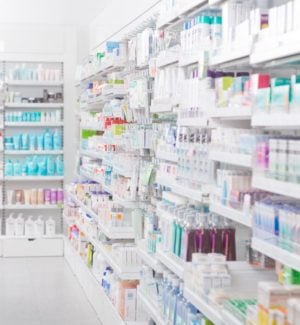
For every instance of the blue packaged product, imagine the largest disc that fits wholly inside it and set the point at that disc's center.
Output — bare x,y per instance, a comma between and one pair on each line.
17,168
25,141
32,116
24,117
32,166
24,168
42,167
48,140
40,142
17,141
50,166
9,168
57,140
32,142
59,166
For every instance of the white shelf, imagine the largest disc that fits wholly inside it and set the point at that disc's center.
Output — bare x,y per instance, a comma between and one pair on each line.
176,16
92,127
232,214
33,124
189,59
209,311
165,155
172,262
230,319
58,236
161,105
97,179
32,207
277,253
275,186
34,178
284,121
236,159
194,121
33,152
231,56
168,59
232,113
34,83
124,273
183,190
92,153
149,259
151,307
104,308
34,105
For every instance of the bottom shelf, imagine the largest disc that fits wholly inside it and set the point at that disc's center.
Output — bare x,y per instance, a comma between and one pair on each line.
50,246
104,308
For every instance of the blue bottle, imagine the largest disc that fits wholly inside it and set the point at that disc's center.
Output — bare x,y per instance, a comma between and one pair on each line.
42,167
9,168
172,302
50,166
179,308
24,168
48,140
32,166
25,141
17,141
167,297
59,165
17,168
40,142
57,140
32,142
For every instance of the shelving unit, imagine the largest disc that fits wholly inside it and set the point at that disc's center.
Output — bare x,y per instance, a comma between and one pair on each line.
237,159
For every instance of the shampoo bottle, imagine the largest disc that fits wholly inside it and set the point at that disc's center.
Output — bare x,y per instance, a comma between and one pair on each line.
57,140
50,166
10,225
9,168
29,227
59,166
20,225
50,227
39,227
48,140
25,141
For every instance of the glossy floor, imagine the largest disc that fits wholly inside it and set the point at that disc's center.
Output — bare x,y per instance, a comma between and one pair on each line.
42,291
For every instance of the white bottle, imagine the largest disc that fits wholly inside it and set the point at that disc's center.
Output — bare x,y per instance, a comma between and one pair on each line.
19,225
39,227
50,227
29,227
10,225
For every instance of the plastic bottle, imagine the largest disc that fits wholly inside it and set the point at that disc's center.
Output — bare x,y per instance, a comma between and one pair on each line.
42,167
50,166
48,140
19,227
180,306
29,227
50,227
167,296
32,142
172,301
17,141
9,168
17,168
59,166
40,142
57,140
10,225
25,141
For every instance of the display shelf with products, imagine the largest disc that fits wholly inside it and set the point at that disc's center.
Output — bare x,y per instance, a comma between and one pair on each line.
33,105
242,160
149,258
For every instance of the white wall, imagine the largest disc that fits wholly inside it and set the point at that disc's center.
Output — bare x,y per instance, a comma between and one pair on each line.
51,41
114,17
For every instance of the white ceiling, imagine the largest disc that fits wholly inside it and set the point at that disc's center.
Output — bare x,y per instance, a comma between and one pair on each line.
64,12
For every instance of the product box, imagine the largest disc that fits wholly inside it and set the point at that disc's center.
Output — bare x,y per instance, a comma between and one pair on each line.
130,305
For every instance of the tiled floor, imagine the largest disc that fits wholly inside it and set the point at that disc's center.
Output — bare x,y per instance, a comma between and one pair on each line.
42,291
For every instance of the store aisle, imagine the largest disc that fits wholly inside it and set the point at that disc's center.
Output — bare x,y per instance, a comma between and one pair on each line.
42,291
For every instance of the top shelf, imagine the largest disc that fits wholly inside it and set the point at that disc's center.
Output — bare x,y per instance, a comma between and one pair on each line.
34,83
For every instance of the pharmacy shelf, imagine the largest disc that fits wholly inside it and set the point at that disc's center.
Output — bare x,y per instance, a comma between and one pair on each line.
104,308
165,155
125,203
176,16
34,178
167,59
195,121
92,154
124,273
109,232
161,105
183,190
34,124
34,105
149,258
56,236
172,262
152,308
32,207
283,121
232,113
284,49
34,83
33,152
236,159
275,186
189,59
97,179
277,253
232,57
209,311
95,127
230,213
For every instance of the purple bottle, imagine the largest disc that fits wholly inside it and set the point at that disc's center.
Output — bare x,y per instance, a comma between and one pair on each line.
47,196
53,196
60,196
